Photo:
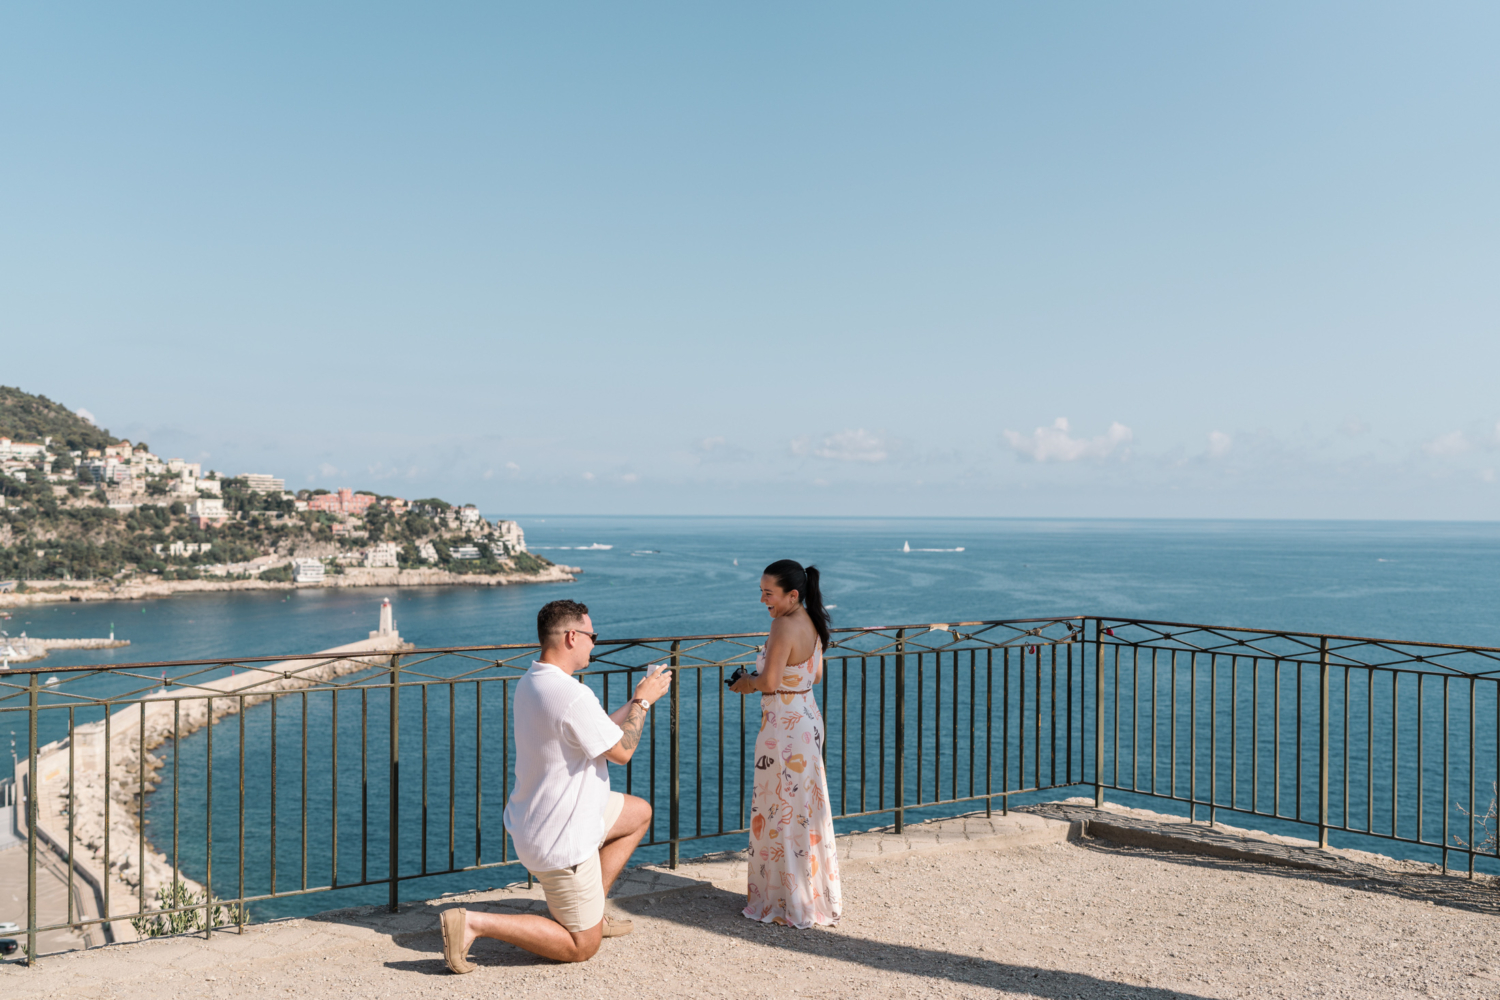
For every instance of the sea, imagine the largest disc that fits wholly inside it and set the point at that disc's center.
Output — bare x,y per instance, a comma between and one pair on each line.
663,576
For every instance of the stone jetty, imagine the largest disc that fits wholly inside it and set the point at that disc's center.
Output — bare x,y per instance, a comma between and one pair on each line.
110,856
24,648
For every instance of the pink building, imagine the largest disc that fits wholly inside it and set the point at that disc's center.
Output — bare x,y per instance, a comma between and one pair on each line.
342,502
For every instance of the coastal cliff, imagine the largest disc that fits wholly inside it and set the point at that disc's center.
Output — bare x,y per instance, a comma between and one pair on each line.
80,506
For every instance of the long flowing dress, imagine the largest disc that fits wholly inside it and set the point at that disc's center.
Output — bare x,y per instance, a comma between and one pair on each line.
794,866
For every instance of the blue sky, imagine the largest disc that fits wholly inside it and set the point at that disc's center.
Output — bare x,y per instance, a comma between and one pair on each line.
849,259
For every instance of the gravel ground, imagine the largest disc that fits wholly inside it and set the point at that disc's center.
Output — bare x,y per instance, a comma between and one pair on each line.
1085,919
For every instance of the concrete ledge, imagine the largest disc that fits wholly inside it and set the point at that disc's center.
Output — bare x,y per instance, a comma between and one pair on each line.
1142,835
1143,828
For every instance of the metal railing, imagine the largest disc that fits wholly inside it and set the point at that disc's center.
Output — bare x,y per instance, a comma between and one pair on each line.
264,781
1386,739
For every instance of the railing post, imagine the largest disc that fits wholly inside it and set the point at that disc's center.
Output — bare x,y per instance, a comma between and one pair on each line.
1098,714
33,690
676,780
1322,742
395,841
900,729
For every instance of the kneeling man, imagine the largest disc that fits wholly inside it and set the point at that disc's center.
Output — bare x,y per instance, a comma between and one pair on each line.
570,830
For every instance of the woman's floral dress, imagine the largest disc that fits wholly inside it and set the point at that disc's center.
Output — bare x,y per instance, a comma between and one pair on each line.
794,867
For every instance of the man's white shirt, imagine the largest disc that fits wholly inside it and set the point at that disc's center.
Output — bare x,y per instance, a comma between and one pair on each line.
556,811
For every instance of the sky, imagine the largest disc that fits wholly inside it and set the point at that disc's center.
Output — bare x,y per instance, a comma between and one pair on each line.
990,259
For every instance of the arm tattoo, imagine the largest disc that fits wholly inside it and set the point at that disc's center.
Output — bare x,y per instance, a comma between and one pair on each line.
632,727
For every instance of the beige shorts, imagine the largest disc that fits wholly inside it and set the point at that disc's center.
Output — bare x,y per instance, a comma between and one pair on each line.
575,896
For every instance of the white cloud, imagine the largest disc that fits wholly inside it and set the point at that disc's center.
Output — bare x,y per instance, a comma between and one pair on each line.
588,477
512,466
845,446
1487,475
1219,444
1354,426
1055,444
631,477
325,469
86,415
1452,443
716,449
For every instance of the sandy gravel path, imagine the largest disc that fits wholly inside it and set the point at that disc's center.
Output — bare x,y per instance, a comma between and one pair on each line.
1087,918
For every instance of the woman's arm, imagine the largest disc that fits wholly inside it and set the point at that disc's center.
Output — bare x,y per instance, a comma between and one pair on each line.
778,648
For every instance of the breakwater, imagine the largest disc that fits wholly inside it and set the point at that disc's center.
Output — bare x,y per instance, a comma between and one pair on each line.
25,649
90,787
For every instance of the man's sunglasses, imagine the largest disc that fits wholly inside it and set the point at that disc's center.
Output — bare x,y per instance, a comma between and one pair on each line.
593,636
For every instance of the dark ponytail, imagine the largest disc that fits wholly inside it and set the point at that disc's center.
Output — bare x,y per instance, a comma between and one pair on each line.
789,575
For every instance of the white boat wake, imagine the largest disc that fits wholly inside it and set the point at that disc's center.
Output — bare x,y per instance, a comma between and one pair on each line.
906,547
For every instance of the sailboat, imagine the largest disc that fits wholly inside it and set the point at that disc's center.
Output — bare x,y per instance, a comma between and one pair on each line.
906,546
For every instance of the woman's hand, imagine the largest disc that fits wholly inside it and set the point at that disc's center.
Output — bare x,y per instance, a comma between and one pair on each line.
745,685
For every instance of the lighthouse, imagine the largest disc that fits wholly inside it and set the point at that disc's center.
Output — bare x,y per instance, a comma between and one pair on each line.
387,627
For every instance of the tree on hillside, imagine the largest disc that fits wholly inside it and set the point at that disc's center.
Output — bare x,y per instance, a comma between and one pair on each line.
24,417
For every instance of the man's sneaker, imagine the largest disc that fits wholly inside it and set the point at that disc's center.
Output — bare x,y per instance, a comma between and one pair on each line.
453,926
616,927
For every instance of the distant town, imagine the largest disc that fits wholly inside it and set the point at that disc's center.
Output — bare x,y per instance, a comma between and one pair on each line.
109,510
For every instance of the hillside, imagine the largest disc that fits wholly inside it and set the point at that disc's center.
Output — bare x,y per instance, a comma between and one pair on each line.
84,507
24,417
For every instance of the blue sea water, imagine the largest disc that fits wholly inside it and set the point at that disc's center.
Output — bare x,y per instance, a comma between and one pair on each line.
677,576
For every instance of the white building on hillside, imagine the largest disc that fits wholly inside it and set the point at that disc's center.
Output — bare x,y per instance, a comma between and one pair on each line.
22,449
263,482
382,555
512,536
205,511
307,571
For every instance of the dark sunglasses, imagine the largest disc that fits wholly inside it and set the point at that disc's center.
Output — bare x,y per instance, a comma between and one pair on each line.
593,636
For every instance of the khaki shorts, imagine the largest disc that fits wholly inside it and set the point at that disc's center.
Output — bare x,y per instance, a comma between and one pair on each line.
575,896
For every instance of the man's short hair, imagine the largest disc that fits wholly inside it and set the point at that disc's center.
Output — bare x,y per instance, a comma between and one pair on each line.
558,616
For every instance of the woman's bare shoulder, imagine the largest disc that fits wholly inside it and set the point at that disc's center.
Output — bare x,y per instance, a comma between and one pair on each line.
796,631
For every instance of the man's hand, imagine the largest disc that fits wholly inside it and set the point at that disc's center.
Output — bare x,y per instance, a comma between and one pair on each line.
631,717
653,686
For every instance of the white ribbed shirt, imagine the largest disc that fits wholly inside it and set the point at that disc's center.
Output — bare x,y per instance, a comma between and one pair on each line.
556,810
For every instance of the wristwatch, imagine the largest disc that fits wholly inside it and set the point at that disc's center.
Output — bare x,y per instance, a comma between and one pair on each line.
641,702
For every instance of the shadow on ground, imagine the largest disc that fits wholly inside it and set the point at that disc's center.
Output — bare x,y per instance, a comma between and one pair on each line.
715,910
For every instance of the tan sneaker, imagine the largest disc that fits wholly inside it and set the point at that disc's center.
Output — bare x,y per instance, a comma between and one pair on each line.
453,924
617,927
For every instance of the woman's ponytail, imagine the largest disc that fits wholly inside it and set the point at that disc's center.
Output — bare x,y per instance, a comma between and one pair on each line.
813,601
789,575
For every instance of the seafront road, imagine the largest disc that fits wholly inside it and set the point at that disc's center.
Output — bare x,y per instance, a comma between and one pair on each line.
1025,905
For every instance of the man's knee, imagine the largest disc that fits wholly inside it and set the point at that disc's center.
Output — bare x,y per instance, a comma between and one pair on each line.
636,812
586,944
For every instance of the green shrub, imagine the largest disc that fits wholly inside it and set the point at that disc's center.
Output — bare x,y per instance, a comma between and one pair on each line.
179,897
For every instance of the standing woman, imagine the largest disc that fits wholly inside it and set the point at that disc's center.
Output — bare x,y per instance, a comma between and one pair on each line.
794,868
